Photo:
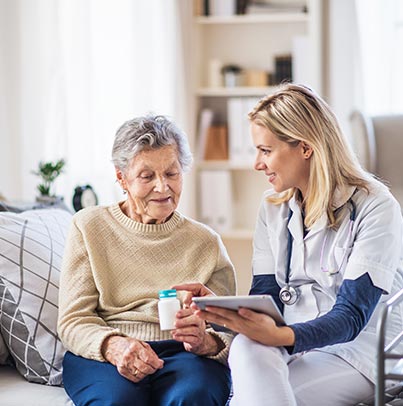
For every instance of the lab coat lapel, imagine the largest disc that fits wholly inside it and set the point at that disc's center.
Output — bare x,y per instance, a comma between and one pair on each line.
318,226
295,223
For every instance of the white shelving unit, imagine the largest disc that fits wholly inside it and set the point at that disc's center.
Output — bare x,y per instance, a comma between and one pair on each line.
252,42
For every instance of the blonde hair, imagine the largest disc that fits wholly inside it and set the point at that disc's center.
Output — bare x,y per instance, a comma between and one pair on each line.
294,114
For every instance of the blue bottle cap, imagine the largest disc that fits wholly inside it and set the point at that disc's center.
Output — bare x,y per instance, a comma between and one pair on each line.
164,294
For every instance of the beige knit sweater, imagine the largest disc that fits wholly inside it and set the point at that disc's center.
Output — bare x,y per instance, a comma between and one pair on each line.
113,268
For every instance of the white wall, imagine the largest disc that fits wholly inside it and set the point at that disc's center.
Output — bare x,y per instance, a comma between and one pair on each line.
10,172
342,60
71,80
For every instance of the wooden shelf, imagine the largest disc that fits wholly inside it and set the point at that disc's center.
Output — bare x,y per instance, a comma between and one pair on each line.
277,17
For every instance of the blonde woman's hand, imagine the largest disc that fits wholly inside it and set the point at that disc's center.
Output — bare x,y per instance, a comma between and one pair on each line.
193,289
134,359
257,326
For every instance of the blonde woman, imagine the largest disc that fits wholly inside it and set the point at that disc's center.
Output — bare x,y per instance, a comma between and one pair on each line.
328,248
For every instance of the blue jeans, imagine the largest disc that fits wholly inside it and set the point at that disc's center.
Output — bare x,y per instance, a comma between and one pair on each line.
185,380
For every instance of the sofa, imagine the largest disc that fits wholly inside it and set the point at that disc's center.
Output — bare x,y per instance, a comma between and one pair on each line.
16,391
31,248
378,143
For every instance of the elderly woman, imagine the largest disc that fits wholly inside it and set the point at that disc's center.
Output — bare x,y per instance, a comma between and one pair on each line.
116,260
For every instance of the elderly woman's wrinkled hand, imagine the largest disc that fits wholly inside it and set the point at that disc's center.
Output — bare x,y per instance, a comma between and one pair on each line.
191,330
134,359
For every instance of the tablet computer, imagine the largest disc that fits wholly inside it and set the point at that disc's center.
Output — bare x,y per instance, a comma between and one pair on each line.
259,303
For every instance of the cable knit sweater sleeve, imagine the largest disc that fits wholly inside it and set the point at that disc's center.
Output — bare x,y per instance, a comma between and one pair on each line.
78,310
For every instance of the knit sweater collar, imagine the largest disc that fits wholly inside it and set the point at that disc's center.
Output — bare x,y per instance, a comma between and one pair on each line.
166,227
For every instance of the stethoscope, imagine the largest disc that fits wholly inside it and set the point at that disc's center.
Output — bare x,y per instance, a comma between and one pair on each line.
288,294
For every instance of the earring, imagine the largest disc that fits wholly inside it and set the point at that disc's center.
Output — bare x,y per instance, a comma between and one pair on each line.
121,185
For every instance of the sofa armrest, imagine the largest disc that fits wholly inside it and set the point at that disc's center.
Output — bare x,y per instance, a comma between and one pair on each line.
363,140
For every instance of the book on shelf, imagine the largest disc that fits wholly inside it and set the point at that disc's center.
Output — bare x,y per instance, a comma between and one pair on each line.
241,148
275,6
205,122
283,64
198,8
220,7
216,147
249,147
216,199
235,129
241,6
212,139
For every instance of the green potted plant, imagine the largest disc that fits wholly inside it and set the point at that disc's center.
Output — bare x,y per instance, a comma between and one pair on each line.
48,172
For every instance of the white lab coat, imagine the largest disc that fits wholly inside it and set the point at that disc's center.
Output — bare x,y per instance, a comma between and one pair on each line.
373,245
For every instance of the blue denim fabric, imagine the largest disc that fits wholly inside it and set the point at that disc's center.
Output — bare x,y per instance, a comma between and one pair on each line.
185,380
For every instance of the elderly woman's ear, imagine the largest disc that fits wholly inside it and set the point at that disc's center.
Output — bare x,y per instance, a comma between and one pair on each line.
120,178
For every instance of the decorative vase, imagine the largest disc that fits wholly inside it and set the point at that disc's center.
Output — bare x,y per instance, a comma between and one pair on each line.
49,200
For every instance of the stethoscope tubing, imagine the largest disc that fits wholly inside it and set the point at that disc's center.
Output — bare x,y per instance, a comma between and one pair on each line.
288,294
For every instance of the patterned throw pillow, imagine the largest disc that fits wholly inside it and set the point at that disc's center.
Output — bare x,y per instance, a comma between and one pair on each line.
31,249
4,354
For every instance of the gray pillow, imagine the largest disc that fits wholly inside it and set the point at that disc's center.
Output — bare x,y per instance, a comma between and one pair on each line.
4,353
31,248
19,208
4,206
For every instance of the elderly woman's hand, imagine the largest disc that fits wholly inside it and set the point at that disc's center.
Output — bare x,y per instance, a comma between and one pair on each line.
134,359
191,330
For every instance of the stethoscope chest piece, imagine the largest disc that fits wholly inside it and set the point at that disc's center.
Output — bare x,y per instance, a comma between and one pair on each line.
288,295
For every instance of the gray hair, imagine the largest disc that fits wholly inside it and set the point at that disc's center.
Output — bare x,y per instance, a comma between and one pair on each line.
145,133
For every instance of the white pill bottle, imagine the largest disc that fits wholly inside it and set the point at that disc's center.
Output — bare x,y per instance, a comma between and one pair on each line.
168,305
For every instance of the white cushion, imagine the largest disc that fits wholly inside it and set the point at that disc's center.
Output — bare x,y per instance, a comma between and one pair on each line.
31,249
16,391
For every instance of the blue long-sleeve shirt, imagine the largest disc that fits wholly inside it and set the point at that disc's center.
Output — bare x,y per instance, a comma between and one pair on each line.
354,306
